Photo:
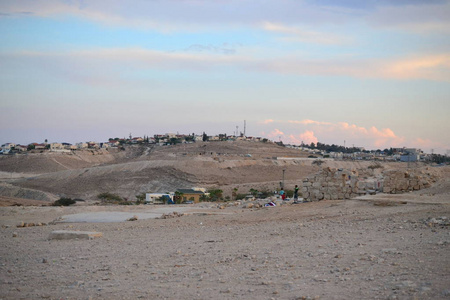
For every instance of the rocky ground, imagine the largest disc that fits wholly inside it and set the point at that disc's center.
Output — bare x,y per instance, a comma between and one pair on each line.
374,247
383,246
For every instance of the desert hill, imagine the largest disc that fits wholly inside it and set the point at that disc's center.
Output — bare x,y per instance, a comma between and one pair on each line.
225,165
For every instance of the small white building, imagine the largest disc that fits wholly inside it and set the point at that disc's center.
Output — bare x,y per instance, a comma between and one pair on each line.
157,198
56,146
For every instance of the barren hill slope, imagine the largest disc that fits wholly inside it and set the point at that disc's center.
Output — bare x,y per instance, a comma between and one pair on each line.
137,169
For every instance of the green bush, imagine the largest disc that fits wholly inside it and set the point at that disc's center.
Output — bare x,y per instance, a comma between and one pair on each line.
289,193
215,194
64,202
240,196
109,198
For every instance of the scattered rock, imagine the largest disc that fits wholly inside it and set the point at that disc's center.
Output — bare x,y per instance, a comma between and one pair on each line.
133,218
171,215
71,235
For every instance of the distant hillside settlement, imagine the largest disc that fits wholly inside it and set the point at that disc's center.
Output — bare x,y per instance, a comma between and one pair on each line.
317,151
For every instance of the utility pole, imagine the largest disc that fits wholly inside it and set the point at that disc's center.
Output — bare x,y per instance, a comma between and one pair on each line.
282,184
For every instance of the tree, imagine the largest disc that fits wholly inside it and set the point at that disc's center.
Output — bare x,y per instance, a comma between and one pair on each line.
215,194
253,192
178,197
205,137
174,141
203,198
140,199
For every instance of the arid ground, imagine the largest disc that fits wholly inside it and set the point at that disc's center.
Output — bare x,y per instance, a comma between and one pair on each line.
380,246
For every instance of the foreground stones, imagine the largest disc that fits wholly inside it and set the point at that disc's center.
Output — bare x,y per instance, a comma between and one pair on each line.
72,235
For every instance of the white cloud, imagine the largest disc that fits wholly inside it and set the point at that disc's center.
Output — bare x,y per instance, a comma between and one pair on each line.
428,16
431,67
297,34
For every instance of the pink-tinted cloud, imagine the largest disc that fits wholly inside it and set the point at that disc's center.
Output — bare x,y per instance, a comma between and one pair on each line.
297,34
306,137
268,121
433,67
309,122
312,131
275,134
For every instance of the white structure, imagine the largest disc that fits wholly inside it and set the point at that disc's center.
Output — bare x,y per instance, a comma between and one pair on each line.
155,198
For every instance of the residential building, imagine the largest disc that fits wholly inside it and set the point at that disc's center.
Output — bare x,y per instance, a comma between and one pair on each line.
191,194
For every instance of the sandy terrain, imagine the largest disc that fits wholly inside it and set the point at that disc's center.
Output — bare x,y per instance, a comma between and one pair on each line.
373,247
376,247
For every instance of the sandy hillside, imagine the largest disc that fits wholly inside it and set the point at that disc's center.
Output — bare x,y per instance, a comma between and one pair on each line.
224,165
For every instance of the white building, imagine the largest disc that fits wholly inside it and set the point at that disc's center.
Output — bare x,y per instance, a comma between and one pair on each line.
156,198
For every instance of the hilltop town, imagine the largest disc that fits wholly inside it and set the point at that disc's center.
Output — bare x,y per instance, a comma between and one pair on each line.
320,150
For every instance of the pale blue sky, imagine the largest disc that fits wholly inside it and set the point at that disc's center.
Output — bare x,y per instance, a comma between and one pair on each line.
375,74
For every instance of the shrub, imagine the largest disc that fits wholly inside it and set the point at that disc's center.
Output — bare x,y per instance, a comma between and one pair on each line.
215,194
140,199
317,162
375,166
64,202
240,196
289,193
265,194
109,198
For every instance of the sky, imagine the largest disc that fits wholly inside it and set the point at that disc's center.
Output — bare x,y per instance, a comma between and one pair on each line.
373,74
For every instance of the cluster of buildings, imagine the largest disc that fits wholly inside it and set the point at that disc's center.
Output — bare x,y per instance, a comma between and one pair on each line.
394,154
157,139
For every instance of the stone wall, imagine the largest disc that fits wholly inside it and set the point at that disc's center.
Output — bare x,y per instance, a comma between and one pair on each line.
333,184
396,181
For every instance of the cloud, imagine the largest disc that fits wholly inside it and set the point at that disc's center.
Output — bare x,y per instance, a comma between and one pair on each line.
222,49
275,134
294,132
415,16
268,121
296,34
306,137
431,67
308,122
170,15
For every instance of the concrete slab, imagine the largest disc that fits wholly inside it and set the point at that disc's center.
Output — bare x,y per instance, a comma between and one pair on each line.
72,235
